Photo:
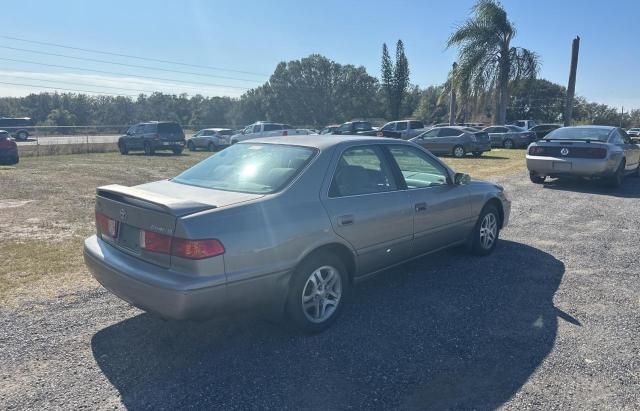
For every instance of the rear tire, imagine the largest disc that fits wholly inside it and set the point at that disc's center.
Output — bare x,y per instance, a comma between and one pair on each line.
508,144
477,154
486,231
616,180
536,179
148,151
317,293
191,146
458,152
177,151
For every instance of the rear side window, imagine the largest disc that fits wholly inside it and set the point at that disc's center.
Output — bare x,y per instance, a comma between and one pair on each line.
169,128
149,128
362,170
402,125
416,124
272,127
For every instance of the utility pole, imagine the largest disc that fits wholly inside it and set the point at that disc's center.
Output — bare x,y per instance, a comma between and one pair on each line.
621,116
571,89
452,98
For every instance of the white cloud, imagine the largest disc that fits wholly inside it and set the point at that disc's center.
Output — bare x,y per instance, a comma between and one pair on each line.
26,82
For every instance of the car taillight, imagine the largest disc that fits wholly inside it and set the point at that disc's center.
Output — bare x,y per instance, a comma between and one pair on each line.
536,150
196,249
106,225
155,242
180,247
285,133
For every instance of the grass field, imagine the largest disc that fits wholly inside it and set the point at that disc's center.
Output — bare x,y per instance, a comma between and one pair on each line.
47,206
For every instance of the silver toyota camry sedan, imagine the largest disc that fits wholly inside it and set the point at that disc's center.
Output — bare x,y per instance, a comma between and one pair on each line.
595,152
286,224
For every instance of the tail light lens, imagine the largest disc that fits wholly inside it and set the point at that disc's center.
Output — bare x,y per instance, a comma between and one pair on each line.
285,133
106,225
158,243
536,150
191,249
196,249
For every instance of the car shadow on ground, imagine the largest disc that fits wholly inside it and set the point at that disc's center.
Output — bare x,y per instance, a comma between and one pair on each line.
445,331
630,187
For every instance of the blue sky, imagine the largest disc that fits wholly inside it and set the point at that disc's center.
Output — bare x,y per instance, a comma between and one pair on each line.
253,36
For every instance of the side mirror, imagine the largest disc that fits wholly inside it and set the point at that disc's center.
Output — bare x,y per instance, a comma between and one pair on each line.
461,179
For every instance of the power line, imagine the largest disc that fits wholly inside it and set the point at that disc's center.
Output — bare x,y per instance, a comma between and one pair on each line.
76,83
134,57
128,65
124,74
66,89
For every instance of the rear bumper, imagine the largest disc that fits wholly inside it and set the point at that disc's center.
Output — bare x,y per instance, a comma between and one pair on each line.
167,145
578,167
169,295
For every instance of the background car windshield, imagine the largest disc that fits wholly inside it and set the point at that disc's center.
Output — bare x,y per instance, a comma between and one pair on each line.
248,168
587,133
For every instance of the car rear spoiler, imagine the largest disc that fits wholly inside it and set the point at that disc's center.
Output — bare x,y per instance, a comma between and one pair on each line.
146,199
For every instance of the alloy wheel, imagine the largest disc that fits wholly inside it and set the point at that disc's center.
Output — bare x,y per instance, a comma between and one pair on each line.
321,294
488,231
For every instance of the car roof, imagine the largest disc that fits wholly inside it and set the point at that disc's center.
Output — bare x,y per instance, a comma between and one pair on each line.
215,129
321,142
595,126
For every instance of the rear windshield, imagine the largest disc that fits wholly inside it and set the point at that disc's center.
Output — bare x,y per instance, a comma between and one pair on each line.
576,133
169,128
249,168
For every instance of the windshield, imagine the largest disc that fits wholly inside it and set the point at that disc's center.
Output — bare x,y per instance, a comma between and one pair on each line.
579,133
249,168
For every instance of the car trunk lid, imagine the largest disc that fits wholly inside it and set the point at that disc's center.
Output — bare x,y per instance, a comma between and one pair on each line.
155,208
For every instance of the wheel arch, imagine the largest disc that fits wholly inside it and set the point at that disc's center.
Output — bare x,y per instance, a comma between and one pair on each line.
343,252
494,201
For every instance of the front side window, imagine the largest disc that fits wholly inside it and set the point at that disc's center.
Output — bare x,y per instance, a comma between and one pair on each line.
345,128
208,132
431,133
272,127
362,126
449,132
249,168
256,128
418,169
362,170
402,125
389,127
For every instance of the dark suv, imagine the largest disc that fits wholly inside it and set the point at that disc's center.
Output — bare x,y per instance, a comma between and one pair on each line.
19,128
153,136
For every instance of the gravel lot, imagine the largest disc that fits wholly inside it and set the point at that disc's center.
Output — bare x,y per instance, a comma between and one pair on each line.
550,321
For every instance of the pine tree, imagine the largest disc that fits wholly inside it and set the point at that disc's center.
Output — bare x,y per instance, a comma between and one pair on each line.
395,78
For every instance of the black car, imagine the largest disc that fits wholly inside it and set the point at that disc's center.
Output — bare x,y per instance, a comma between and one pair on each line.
542,130
19,128
360,128
8,149
153,136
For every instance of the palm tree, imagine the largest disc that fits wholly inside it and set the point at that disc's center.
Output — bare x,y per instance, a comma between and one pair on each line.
486,60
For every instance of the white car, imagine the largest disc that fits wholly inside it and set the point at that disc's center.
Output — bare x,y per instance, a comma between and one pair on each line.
525,124
634,132
266,129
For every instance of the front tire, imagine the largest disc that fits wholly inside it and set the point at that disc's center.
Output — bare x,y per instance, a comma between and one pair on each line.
458,152
317,293
508,144
486,231
211,147
22,135
124,150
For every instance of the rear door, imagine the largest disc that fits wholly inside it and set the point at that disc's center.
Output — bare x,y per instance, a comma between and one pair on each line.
170,132
368,209
448,138
496,135
442,210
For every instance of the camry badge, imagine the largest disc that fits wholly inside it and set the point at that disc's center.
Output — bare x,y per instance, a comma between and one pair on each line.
564,151
123,214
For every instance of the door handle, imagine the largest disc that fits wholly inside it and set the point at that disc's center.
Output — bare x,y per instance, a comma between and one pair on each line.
420,207
345,220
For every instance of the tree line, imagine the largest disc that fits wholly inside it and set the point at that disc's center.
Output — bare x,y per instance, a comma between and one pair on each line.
492,81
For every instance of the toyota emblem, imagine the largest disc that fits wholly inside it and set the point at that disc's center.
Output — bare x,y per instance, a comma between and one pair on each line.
123,214
564,151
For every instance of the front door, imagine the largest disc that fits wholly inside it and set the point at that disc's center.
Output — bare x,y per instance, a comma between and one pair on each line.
368,209
442,210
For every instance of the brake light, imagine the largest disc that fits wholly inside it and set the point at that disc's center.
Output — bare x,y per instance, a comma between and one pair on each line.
106,225
196,249
155,242
536,150
285,133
